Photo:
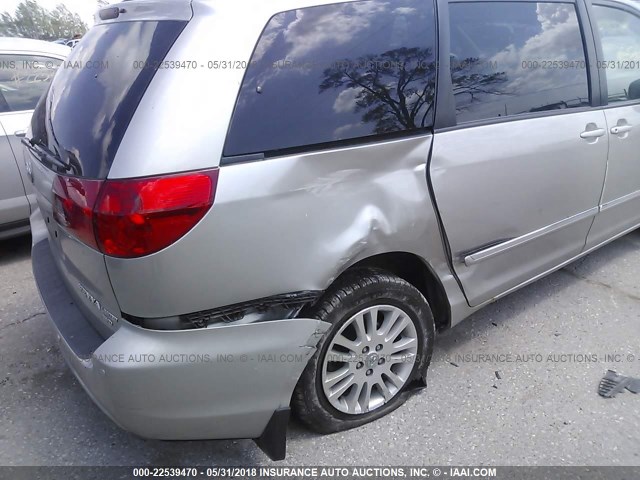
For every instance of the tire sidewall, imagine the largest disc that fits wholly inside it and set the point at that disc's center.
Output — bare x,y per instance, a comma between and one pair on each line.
403,296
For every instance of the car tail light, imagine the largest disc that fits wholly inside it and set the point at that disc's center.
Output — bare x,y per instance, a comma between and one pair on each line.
136,217
73,201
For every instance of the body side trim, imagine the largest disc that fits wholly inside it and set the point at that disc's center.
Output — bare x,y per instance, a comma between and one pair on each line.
500,248
564,264
619,201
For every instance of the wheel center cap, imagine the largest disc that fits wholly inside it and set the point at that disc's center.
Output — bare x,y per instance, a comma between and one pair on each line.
371,360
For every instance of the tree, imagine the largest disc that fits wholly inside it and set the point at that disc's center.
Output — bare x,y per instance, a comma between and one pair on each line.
31,20
66,24
467,80
393,87
396,89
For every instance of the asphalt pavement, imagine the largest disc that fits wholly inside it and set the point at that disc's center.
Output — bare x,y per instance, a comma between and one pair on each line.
516,384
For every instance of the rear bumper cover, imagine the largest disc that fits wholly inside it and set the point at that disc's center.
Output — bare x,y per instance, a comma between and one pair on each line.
214,383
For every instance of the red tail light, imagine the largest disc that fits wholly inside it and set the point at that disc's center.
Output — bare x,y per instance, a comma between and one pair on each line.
133,218
73,201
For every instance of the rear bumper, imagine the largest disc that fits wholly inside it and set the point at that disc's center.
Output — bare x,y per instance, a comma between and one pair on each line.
215,383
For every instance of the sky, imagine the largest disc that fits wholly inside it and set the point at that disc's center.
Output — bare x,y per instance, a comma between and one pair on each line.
84,8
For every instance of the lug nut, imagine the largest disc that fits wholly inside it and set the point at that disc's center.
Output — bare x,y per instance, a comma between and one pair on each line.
369,372
381,361
378,348
365,350
359,365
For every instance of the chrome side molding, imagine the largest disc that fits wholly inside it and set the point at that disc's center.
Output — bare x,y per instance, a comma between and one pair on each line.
500,248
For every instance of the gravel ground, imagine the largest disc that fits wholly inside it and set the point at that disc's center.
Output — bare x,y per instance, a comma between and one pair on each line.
543,410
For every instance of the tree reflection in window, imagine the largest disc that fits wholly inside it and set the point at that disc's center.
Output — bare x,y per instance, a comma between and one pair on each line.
396,90
337,72
521,57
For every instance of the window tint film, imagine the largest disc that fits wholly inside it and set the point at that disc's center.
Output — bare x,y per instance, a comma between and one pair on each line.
512,58
23,80
620,36
337,72
97,90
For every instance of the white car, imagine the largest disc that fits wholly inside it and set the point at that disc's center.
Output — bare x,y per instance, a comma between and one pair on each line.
26,70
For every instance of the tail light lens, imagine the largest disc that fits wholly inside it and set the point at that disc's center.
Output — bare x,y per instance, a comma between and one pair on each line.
133,218
73,201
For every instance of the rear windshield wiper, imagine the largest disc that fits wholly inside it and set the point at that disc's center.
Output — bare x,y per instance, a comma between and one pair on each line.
45,155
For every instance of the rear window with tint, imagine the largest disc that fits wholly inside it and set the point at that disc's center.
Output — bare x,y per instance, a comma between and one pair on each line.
337,72
97,90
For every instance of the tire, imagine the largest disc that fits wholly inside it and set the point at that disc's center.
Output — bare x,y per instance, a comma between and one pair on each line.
350,305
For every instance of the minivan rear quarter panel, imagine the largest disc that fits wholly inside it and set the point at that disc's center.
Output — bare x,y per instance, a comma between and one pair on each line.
276,221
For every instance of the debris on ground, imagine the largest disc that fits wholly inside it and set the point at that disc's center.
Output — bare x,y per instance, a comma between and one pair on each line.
612,384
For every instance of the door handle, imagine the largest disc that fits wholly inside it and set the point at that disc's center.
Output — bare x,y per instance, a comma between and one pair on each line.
598,132
20,133
620,129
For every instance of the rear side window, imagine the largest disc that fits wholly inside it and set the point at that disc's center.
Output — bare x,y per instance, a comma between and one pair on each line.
620,35
96,92
23,80
337,72
511,58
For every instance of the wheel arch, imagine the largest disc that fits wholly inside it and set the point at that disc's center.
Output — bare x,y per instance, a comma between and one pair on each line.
417,272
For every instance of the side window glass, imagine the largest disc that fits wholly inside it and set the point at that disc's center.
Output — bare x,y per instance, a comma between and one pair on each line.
23,80
620,35
511,58
337,72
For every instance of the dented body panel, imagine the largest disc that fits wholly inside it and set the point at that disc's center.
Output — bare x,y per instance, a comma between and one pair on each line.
291,224
273,227
481,208
174,385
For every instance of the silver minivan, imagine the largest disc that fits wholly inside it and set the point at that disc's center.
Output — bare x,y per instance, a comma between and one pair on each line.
252,208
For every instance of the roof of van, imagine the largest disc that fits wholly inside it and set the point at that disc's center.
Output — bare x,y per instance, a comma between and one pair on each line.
16,44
